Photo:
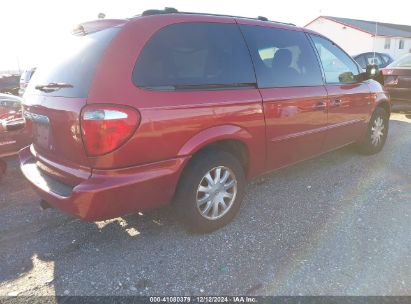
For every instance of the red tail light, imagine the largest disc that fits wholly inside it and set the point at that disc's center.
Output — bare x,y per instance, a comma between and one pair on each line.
106,127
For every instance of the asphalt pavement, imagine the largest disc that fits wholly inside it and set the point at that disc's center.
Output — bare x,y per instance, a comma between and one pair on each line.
339,224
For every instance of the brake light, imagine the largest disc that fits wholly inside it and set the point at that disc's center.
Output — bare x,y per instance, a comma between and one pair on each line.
105,127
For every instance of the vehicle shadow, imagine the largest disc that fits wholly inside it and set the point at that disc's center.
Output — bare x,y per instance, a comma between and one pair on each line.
286,218
31,239
403,109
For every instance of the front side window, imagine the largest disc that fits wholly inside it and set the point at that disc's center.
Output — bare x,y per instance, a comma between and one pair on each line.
282,58
338,66
187,56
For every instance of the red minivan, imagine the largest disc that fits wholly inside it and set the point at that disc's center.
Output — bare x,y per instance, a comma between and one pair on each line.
185,108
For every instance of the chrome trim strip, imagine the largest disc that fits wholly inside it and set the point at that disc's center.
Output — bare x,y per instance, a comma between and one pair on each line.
314,131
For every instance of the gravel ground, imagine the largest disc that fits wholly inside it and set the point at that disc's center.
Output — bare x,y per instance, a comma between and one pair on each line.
335,225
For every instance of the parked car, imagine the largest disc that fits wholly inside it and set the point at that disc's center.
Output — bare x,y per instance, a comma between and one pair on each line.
13,137
186,108
10,106
397,80
379,59
9,84
24,80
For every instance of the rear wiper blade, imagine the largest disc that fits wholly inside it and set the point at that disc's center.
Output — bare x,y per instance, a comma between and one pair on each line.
53,86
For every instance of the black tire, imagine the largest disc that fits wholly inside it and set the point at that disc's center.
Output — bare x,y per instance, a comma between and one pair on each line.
186,196
367,145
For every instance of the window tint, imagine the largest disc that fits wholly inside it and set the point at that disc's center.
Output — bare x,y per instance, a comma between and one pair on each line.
361,61
282,58
73,63
386,58
195,55
338,66
371,59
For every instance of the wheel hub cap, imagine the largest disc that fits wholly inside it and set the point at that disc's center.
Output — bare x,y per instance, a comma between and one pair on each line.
216,193
377,131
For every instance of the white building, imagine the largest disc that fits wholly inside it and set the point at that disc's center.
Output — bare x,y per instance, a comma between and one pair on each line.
360,36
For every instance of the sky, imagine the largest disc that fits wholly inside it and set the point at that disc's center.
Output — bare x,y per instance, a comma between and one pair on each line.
30,27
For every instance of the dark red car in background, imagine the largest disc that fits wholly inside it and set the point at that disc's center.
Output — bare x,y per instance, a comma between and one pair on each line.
9,84
185,108
13,135
397,80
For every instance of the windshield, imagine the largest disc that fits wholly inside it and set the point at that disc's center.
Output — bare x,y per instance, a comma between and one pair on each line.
72,63
403,62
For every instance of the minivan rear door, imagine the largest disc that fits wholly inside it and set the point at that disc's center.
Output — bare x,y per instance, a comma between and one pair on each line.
53,102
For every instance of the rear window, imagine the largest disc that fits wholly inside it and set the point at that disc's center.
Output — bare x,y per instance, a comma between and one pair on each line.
73,63
386,58
374,59
195,56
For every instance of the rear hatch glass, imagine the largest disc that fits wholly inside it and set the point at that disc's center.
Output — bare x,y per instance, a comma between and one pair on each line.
53,113
72,63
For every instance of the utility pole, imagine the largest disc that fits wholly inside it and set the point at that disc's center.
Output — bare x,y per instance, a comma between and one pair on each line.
18,63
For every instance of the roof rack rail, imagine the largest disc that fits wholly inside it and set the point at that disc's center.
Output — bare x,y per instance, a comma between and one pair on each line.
166,10
171,10
262,18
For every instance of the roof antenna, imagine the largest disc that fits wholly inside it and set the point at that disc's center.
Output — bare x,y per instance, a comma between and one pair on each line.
375,36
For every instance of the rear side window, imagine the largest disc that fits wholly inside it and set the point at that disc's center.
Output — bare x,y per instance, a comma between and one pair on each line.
73,63
282,58
195,56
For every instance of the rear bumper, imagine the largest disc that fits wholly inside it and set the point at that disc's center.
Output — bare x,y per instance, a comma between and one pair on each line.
107,193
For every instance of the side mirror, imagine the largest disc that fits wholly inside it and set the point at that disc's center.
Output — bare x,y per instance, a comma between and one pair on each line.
346,77
372,71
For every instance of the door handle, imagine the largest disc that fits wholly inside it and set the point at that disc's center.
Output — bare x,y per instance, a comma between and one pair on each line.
320,106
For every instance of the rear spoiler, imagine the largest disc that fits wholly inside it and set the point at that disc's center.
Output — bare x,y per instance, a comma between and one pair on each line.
89,27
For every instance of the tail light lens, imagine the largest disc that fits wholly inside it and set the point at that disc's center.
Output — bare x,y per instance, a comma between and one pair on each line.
106,127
